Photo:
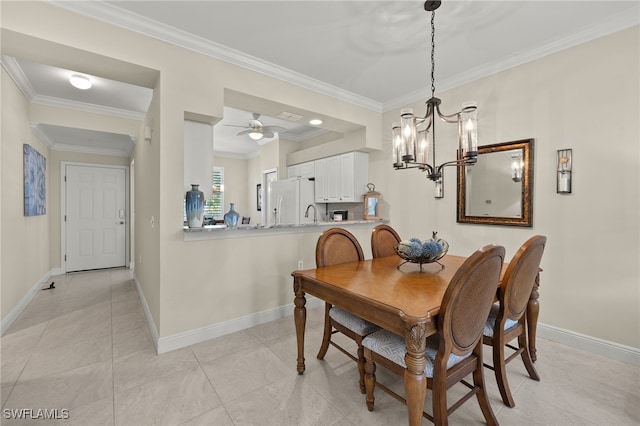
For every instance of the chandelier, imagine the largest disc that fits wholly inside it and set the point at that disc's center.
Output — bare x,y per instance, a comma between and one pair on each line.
414,138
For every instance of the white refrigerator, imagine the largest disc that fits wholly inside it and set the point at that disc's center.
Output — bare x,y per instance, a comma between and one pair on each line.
289,200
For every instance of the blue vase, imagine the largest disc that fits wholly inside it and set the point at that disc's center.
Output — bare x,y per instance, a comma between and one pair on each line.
194,205
231,217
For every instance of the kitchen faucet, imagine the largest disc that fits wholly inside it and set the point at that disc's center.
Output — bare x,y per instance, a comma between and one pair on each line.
306,214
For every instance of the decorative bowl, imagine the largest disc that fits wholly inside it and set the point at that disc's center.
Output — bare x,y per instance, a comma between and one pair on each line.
421,252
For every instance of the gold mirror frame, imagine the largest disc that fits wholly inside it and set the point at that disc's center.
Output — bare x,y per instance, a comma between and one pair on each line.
526,217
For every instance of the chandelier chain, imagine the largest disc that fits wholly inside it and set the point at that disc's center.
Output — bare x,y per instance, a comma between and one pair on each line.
433,53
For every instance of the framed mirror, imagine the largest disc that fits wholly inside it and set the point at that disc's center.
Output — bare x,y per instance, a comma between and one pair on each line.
498,189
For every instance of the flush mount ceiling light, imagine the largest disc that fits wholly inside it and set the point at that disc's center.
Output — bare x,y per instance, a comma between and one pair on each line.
315,122
80,82
256,135
415,146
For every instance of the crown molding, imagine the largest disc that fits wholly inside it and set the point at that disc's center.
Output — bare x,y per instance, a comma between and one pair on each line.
14,70
616,23
52,145
87,107
119,17
40,134
150,28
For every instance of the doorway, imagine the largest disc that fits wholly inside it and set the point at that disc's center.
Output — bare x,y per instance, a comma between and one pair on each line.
94,216
267,177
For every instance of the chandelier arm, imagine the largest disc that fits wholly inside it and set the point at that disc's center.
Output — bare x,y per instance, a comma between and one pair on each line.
451,118
461,162
410,165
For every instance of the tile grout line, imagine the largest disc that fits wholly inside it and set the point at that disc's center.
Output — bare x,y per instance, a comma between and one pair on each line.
211,384
113,379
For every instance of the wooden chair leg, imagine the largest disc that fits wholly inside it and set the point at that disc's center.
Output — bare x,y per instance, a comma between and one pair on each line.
483,398
370,379
326,336
500,371
439,401
361,362
526,357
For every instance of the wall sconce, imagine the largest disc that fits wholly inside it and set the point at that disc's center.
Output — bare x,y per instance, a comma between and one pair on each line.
517,166
565,163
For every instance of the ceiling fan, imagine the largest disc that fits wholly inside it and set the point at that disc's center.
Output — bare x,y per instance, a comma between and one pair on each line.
256,130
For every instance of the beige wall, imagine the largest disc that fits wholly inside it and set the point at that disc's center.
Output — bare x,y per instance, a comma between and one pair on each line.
585,98
146,191
25,240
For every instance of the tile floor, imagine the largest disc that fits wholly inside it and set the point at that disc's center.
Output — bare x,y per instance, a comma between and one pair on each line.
84,347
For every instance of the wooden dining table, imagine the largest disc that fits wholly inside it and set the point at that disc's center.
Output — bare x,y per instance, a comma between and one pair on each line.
404,300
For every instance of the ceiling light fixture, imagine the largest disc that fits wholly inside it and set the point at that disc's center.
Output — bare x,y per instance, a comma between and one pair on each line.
256,135
80,82
415,147
315,122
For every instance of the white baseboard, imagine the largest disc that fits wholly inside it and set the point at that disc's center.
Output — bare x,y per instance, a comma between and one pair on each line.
17,310
147,313
590,344
191,337
594,345
181,340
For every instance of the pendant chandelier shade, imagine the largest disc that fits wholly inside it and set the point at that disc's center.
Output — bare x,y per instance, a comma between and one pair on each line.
414,138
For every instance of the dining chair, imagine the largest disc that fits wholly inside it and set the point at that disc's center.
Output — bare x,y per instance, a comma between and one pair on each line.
455,351
383,241
507,319
335,246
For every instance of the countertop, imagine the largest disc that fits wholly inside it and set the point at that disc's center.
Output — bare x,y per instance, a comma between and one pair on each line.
222,231
212,228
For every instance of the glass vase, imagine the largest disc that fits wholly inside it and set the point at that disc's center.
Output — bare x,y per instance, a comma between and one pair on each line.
232,217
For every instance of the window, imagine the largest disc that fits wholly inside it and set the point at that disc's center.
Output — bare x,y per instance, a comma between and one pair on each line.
214,206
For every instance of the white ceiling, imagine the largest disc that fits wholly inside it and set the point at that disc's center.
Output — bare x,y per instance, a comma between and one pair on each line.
374,53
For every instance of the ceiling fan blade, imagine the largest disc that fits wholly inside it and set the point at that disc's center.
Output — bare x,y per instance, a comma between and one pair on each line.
274,129
244,132
235,125
267,134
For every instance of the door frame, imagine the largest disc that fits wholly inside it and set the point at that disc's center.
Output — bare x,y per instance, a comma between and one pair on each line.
63,202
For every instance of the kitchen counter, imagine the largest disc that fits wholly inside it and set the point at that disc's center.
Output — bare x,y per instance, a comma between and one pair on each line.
222,231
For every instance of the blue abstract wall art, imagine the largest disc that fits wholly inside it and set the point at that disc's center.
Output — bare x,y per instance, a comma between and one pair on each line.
35,188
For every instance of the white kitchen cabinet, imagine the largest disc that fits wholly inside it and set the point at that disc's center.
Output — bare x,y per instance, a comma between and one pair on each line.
302,170
320,167
293,171
354,176
342,178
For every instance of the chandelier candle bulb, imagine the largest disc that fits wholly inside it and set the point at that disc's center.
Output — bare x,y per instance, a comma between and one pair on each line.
408,124
469,116
397,144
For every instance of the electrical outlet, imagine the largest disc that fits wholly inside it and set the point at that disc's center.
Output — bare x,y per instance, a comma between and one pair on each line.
300,264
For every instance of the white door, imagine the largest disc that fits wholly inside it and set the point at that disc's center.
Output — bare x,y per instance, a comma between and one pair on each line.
267,177
96,217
